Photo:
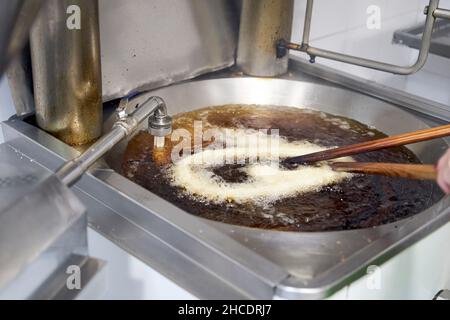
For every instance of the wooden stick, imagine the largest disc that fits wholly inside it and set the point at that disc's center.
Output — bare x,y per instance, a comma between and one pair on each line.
393,141
410,171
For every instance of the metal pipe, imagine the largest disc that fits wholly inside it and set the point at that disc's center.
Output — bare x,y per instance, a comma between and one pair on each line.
372,64
441,13
263,23
65,52
72,170
16,18
308,19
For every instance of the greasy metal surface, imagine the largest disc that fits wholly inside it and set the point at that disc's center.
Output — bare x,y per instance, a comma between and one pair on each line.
149,44
263,23
305,255
16,18
66,72
21,83
177,244
363,201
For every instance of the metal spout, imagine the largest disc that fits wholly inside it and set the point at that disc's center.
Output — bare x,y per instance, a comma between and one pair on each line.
123,127
160,125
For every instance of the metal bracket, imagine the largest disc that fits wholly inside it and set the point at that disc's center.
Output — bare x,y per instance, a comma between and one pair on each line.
442,295
432,11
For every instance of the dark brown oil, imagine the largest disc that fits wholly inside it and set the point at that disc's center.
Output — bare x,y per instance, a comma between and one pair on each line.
364,201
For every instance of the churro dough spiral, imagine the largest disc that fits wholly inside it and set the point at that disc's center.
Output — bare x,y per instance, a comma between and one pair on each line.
266,182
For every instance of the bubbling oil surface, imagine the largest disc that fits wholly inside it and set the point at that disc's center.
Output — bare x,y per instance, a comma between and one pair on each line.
362,201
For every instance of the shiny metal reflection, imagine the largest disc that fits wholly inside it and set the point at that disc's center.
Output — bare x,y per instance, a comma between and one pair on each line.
263,24
67,72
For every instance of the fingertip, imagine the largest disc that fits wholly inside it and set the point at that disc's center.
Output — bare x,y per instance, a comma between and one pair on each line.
444,187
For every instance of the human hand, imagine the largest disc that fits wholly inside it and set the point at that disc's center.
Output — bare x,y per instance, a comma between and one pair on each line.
443,168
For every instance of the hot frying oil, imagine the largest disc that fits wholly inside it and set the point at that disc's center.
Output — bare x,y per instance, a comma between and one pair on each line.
360,202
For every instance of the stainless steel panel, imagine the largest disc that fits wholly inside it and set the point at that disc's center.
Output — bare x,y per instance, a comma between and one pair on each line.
239,261
148,44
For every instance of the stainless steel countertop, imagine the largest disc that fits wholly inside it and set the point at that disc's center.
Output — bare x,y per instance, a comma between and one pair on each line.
210,259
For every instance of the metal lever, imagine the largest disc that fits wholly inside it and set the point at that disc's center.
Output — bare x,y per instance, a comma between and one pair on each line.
432,11
126,124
